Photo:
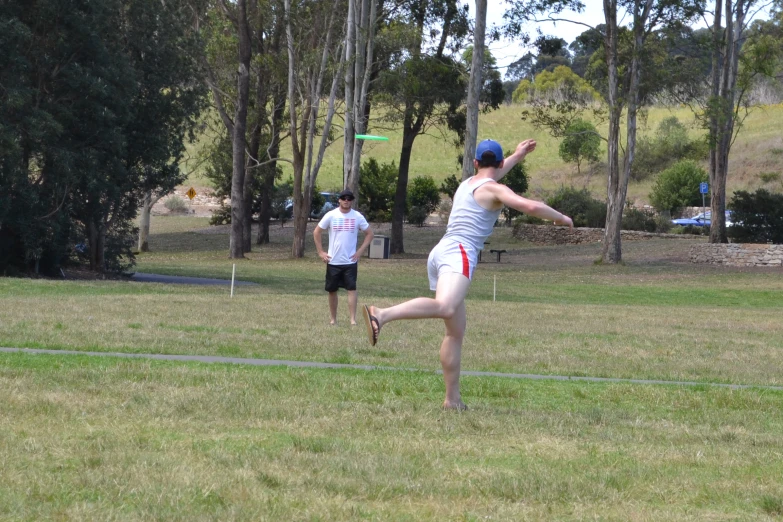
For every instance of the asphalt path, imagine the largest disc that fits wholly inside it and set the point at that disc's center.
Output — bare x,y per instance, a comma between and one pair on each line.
141,277
336,366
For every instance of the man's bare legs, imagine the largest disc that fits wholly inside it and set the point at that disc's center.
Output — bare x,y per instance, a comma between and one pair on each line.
449,305
451,357
333,308
352,300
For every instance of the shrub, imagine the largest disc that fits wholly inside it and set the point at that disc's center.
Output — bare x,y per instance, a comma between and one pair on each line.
176,204
516,179
638,219
423,193
678,187
417,215
669,145
758,217
580,206
581,143
449,186
377,185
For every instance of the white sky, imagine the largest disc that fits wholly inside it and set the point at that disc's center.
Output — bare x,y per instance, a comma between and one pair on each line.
505,51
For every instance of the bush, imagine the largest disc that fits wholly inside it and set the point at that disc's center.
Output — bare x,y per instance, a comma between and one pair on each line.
669,145
581,143
758,217
176,204
417,215
449,186
678,187
580,206
377,185
638,219
516,179
423,194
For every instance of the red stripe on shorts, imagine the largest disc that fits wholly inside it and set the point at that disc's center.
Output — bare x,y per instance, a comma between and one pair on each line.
465,263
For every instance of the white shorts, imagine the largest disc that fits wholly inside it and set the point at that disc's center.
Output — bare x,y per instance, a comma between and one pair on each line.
448,257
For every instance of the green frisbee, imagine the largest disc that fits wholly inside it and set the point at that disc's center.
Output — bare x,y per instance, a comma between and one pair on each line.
371,137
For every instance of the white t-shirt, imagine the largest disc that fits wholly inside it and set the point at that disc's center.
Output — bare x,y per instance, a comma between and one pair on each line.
343,234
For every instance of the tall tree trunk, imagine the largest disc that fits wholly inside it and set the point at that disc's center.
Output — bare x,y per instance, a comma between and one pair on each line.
239,142
400,196
611,251
474,89
348,128
270,173
144,222
726,50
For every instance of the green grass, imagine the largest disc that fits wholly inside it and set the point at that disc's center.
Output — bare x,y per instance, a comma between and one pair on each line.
105,439
101,438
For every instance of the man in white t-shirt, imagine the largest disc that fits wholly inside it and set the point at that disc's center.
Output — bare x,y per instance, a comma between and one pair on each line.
342,258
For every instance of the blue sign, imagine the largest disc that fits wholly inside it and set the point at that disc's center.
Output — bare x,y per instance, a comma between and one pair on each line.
704,188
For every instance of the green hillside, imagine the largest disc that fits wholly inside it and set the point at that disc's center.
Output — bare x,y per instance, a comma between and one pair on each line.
757,150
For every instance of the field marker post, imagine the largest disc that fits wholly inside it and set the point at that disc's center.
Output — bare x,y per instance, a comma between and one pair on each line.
233,273
494,287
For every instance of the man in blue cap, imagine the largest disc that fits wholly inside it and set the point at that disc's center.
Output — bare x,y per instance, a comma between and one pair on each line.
475,209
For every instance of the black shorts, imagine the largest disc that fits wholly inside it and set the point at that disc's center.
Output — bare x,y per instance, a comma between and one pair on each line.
341,276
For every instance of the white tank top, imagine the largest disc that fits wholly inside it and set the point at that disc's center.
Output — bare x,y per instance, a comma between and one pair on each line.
469,223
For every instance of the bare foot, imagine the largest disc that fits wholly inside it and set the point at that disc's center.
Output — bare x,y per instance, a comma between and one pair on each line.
458,405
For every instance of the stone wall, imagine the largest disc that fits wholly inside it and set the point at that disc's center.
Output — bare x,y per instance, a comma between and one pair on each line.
552,235
737,254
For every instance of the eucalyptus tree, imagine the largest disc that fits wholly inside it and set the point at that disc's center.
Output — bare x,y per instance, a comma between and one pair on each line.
474,89
315,42
363,20
425,83
623,68
735,65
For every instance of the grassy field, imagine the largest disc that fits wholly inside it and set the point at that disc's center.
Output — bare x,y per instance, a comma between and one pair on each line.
758,149
94,438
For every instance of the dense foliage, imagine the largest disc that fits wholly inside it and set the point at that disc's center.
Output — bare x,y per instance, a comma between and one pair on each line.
580,206
97,99
758,217
678,187
376,186
423,199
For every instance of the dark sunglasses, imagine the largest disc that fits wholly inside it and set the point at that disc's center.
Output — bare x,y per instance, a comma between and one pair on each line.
347,198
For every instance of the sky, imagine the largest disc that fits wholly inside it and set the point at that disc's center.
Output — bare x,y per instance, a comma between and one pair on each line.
506,52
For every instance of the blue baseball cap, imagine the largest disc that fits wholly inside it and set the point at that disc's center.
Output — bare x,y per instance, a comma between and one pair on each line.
489,146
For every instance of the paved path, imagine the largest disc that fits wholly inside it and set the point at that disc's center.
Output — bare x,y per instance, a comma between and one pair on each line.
305,364
141,277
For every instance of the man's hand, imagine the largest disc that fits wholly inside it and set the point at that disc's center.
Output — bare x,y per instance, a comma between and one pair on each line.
566,221
355,257
525,148
324,256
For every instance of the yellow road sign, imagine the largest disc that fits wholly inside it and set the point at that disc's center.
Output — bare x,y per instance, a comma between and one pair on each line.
191,193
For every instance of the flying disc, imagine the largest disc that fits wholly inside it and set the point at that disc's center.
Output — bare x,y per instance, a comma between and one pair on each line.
371,137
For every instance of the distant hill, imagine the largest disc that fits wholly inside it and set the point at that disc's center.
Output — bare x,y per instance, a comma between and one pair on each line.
757,152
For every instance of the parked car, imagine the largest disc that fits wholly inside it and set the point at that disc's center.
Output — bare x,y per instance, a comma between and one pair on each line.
330,203
703,219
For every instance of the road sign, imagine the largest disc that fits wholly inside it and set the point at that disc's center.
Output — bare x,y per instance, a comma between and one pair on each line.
704,188
191,193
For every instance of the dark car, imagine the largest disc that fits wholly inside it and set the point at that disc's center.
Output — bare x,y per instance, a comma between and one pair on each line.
330,203
702,220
